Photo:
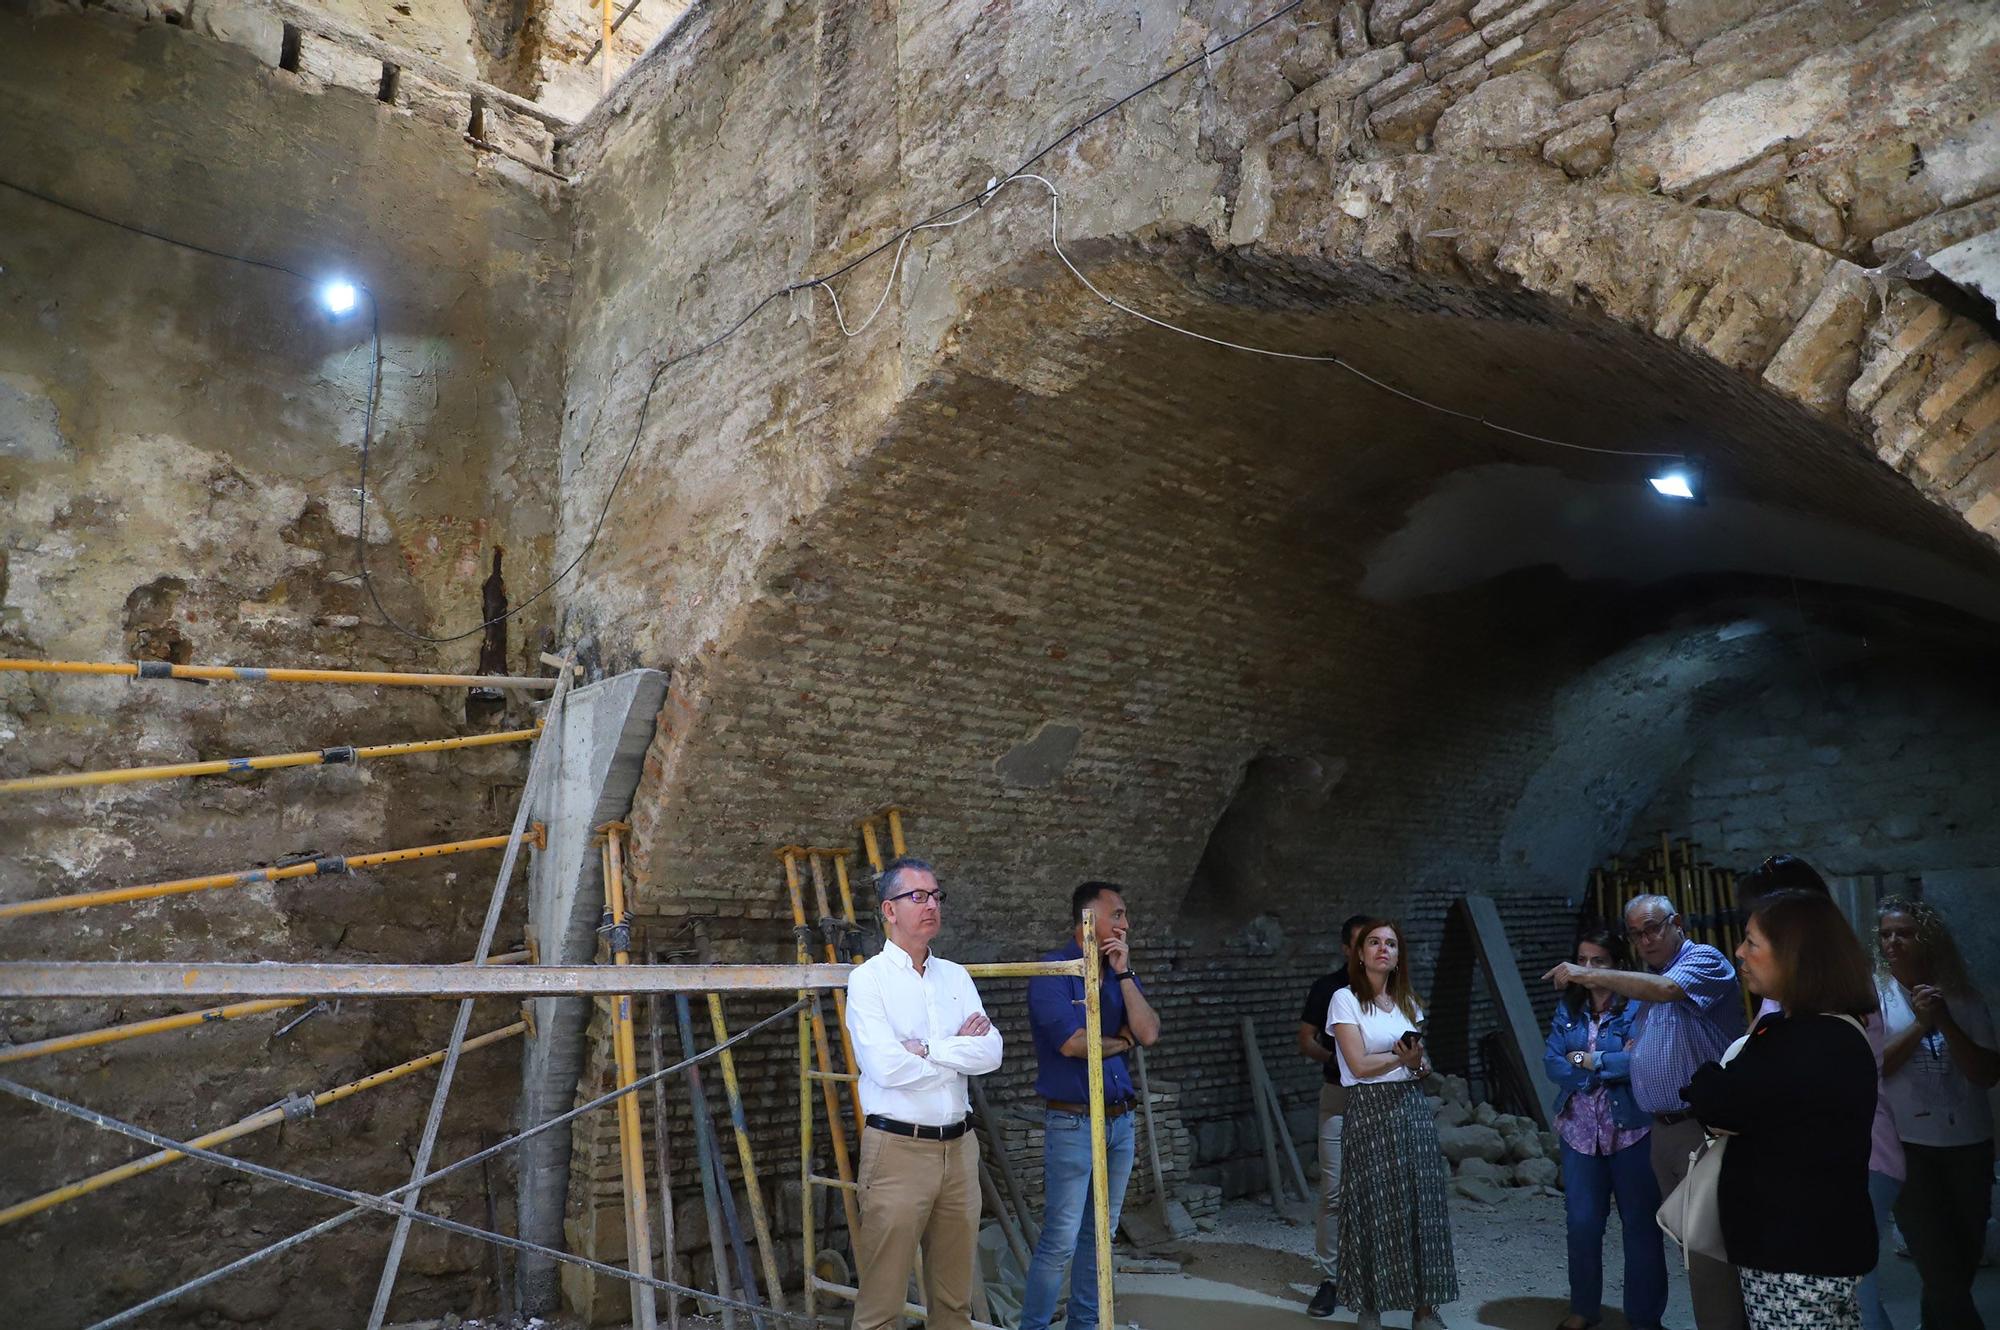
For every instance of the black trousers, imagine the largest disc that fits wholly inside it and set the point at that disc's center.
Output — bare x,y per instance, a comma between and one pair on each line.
1942,1212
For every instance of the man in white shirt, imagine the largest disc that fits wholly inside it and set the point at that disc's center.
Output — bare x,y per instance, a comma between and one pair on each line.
919,1029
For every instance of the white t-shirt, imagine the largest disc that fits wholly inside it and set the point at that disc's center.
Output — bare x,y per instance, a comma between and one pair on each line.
1935,1103
1379,1032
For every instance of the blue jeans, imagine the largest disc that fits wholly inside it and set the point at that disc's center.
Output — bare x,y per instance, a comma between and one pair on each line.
1069,1230
1589,1184
1882,1191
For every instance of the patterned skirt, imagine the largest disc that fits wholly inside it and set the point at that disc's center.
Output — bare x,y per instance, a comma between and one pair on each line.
1395,1231
1799,1302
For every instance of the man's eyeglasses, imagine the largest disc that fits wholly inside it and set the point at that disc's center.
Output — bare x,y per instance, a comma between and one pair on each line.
921,896
1648,932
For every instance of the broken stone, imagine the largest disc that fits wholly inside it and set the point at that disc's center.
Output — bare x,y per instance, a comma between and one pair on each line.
1308,58
1503,114
1536,1173
1478,1189
1408,118
1454,1114
1485,1114
1823,354
1584,149
1486,1170
1609,58
1385,17
1472,1141
1353,29
1350,78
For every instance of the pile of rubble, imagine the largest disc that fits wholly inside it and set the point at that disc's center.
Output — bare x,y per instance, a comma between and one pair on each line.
1489,1150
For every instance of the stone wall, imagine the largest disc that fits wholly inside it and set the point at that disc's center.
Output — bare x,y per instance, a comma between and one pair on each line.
1888,773
179,442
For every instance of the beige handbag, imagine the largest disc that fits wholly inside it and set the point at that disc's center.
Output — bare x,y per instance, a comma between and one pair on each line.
1692,1213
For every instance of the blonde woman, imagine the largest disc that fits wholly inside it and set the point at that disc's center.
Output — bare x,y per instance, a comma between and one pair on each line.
1395,1231
1937,1065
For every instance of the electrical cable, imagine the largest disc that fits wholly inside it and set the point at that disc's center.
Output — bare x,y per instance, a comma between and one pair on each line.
899,241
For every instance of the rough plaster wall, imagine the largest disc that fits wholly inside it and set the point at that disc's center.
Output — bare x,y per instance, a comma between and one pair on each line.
178,444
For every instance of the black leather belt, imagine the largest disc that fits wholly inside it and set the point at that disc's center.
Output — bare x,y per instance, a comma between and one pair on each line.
1117,1109
1669,1119
918,1130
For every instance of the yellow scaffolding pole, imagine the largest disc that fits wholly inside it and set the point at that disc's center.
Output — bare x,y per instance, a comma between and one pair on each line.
334,864
113,1034
829,1082
753,1190
631,1150
160,669
256,1122
269,762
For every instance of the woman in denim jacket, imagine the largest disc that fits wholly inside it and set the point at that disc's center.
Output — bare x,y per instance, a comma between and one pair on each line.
1605,1152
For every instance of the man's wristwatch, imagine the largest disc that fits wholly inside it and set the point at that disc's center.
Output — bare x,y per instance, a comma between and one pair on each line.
1121,976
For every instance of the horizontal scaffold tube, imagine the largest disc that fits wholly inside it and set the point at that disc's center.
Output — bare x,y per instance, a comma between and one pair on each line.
271,762
170,979
160,669
175,979
270,1117
325,865
113,1034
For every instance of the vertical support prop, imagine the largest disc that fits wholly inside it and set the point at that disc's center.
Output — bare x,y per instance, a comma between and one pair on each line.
662,1164
1100,1170
753,1188
604,38
714,1185
624,1049
808,1245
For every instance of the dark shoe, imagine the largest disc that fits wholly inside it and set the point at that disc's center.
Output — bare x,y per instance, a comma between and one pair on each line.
1324,1301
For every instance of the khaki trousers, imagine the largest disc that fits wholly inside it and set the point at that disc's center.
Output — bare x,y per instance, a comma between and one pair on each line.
915,1192
1326,1232
1717,1293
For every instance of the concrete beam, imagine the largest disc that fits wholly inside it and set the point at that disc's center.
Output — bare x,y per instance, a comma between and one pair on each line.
607,728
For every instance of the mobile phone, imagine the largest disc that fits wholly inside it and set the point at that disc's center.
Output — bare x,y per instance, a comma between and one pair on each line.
1410,1037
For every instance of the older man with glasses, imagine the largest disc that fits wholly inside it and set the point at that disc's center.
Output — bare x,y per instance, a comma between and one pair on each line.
919,1029
1693,1012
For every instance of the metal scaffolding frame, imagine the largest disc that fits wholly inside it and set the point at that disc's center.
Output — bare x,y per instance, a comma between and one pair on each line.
278,986
806,982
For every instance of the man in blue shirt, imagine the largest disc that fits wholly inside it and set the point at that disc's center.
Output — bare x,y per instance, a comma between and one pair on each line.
1693,1011
1055,1013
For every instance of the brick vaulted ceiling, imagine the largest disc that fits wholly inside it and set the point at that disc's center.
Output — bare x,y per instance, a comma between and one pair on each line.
1093,569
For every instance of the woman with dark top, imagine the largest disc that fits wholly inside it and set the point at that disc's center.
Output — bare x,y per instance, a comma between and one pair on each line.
1395,1232
1783,872
1797,1102
1605,1151
1937,1066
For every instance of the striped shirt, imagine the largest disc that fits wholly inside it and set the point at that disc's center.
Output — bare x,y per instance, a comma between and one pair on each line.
1671,1039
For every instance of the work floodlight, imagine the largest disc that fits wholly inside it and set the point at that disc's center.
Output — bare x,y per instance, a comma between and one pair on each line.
338,296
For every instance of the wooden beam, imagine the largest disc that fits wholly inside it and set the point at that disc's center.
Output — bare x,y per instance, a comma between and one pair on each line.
1503,980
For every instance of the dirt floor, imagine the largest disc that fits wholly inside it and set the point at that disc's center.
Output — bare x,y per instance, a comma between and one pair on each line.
1255,1272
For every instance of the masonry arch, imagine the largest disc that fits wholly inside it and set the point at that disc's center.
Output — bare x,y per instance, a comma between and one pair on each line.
1091,572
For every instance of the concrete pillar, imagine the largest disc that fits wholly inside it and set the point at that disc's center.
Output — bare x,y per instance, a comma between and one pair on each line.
604,736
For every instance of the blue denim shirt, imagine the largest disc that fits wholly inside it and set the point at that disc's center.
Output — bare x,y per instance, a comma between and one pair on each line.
1055,1012
1569,1032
